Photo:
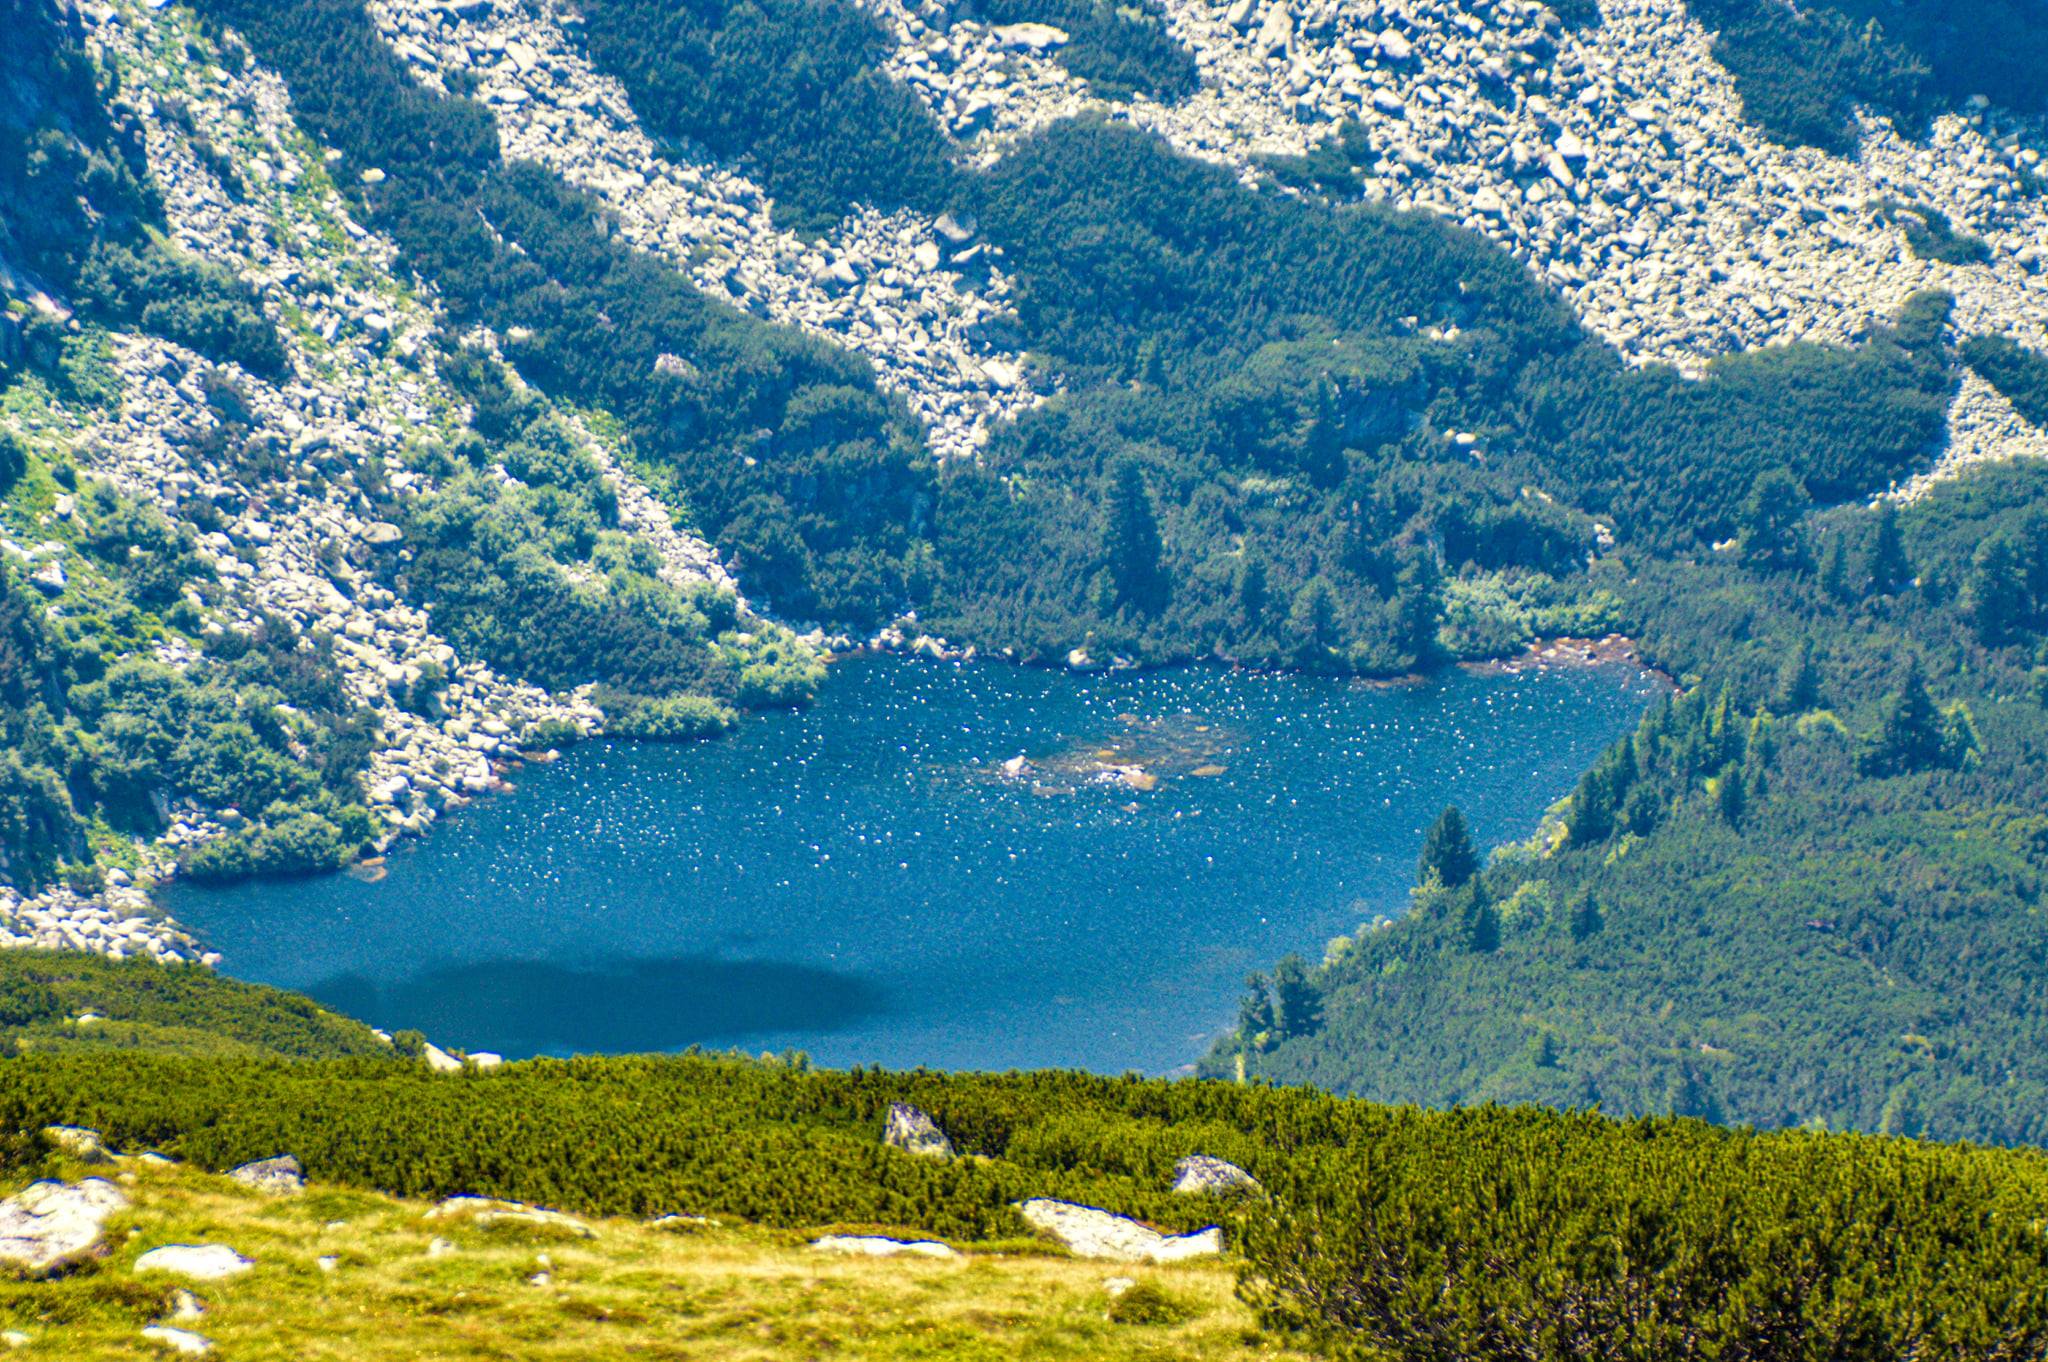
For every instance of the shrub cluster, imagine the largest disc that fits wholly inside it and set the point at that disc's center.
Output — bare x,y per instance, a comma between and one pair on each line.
1380,1233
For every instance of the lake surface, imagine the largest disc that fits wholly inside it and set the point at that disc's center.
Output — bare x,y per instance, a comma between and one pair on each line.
865,880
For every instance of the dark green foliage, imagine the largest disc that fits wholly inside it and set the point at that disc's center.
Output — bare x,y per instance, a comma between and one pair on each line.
1570,1238
1131,548
1888,569
1447,851
1931,236
182,298
2020,374
162,1008
795,464
1332,168
1761,918
1119,49
1800,69
260,725
13,461
792,91
1767,534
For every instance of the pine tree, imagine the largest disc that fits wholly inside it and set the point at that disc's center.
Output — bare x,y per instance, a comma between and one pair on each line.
1909,735
1995,593
1447,851
1767,532
1482,922
1888,569
1798,685
1131,547
1297,1008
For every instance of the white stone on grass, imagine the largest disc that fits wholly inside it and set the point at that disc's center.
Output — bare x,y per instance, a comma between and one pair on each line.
880,1246
280,1176
49,1225
1090,1232
87,1146
201,1262
182,1341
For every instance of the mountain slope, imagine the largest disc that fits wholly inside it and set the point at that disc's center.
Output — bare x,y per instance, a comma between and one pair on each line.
502,336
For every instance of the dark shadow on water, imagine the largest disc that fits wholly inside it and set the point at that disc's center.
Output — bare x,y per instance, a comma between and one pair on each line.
530,1007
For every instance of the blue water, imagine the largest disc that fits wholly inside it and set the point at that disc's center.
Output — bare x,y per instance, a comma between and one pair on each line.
860,880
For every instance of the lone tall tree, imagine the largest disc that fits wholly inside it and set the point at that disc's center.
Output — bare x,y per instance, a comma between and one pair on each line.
1767,531
1131,547
1447,850
1889,569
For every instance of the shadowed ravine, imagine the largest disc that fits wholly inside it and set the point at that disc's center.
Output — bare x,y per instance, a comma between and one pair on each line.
864,880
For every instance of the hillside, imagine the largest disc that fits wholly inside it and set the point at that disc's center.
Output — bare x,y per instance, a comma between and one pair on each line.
1368,1231
396,391
340,1273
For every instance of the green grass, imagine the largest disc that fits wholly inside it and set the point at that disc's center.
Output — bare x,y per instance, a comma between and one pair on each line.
730,1292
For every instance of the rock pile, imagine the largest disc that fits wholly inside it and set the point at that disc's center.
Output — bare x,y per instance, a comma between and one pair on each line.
887,285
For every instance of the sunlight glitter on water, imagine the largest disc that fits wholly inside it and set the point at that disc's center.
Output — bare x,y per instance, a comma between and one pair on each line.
867,881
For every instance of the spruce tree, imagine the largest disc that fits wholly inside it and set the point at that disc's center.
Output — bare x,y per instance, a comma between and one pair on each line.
1995,593
1888,568
1767,532
1131,546
1909,736
1447,850
1482,922
1834,569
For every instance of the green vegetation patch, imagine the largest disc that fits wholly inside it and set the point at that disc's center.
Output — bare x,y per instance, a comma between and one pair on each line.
1381,1231
2019,374
176,1009
1800,69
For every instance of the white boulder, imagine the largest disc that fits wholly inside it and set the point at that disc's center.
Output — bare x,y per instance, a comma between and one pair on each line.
200,1262
879,1246
51,1224
1089,1232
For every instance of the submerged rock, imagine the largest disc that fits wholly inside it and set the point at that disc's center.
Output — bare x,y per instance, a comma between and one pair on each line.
913,1132
1090,1232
